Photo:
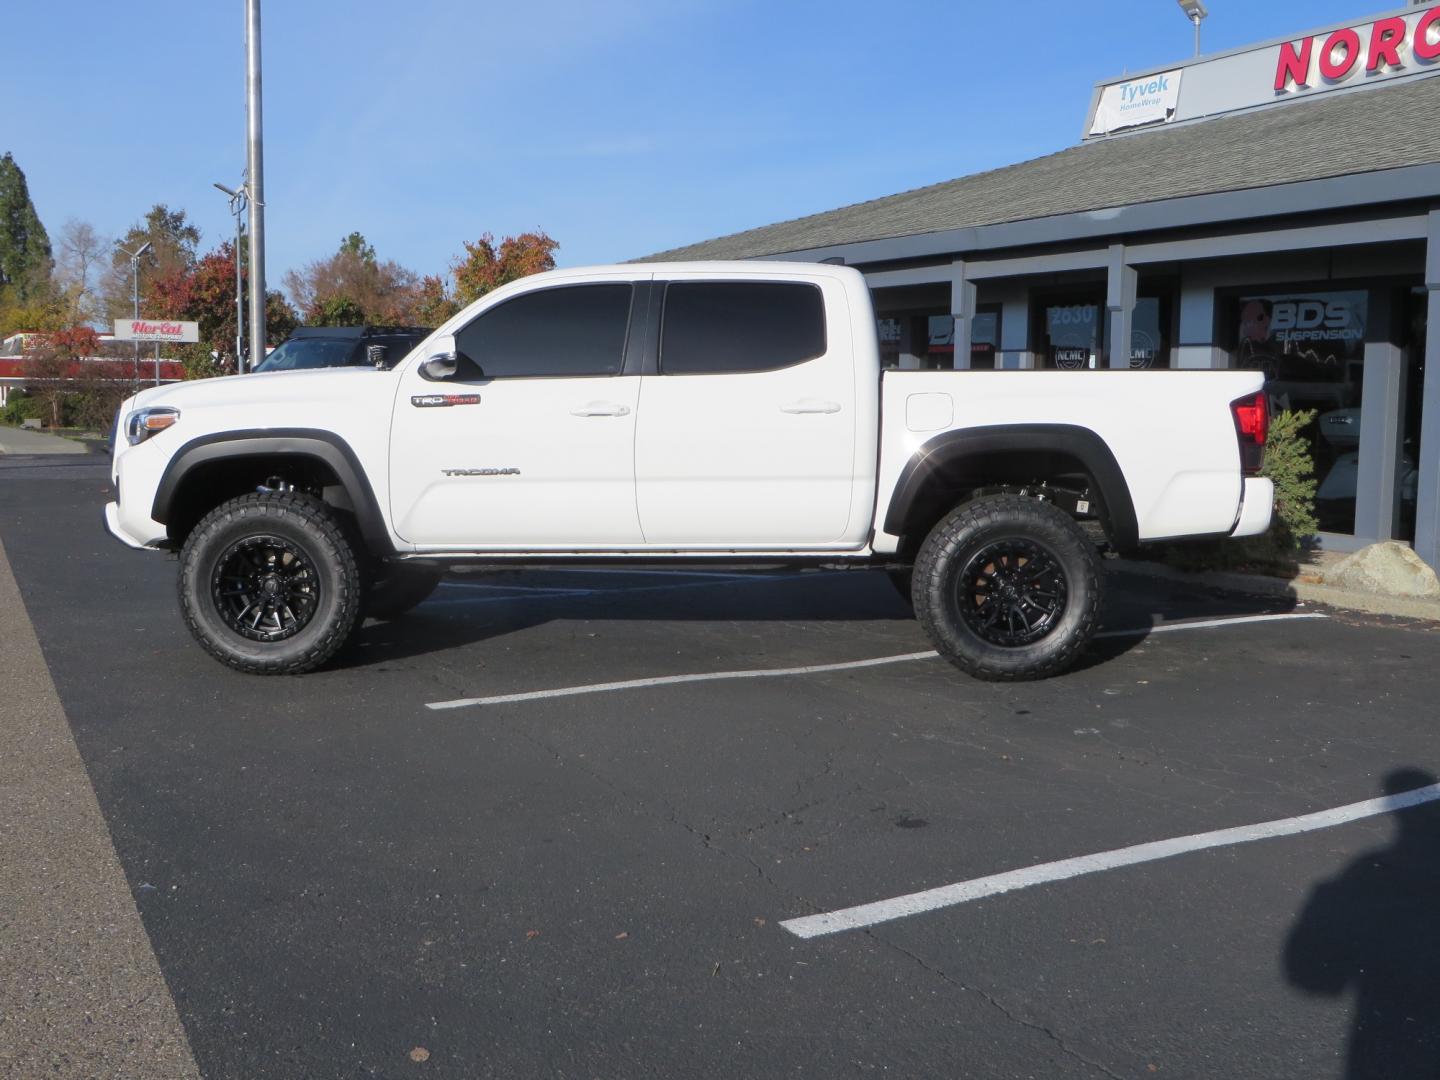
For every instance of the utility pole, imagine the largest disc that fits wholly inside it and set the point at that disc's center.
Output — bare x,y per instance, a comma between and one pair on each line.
134,257
255,182
237,207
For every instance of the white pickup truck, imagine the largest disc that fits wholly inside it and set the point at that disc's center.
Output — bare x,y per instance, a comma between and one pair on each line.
729,412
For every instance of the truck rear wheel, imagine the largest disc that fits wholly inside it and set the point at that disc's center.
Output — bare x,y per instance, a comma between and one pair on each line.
269,583
1007,587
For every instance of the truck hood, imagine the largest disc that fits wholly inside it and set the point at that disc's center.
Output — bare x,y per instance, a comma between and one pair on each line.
233,391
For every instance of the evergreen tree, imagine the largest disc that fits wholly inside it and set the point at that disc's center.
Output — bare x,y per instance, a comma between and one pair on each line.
25,258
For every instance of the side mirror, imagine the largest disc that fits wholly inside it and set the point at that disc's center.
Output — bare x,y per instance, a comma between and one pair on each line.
375,356
451,365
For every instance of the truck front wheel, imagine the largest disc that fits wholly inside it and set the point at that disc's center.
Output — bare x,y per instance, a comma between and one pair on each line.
269,583
1007,587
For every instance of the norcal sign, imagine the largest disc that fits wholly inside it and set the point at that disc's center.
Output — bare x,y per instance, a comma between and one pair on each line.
164,330
1402,45
1385,47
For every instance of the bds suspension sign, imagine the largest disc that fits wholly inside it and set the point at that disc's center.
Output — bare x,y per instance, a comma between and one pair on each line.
156,330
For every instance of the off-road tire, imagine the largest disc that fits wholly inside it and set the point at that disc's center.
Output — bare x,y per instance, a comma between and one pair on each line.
961,545
397,588
315,530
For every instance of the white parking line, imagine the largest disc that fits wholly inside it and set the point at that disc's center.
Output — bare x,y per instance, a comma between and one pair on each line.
864,915
671,680
771,673
1208,624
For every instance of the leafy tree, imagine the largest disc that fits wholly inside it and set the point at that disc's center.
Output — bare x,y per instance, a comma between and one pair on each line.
44,313
82,252
356,244
485,267
353,285
433,302
25,256
51,367
173,242
337,311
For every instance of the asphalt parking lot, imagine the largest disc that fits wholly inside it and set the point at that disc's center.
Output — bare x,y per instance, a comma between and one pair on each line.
339,879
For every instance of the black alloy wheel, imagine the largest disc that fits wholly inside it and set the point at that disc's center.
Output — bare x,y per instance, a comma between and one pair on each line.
1007,588
265,588
270,583
1012,592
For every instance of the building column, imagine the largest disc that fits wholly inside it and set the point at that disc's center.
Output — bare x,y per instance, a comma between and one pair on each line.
1122,284
908,360
1015,351
962,309
1382,411
1427,520
1197,346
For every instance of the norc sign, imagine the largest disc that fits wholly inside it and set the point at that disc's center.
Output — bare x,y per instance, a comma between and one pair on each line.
1386,46
1395,46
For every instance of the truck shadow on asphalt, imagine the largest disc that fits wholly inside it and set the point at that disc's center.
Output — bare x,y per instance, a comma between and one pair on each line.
1372,931
472,610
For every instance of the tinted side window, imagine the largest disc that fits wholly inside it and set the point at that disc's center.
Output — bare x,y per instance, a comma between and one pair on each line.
717,326
574,330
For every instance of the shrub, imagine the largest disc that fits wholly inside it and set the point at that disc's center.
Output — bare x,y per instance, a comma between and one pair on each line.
20,406
1290,464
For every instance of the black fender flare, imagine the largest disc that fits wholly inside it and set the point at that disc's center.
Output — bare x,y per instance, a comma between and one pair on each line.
322,446
949,450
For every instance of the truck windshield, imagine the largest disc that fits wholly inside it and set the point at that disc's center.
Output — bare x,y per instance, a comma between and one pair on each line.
309,353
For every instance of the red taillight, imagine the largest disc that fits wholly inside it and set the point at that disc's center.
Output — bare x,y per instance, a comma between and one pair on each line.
1252,424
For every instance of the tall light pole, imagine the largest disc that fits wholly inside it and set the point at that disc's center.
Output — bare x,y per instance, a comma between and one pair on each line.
1197,13
135,292
237,207
255,182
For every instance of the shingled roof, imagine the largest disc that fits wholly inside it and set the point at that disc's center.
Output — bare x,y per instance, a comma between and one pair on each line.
1332,135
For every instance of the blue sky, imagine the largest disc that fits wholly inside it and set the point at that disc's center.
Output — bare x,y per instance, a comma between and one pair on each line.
620,127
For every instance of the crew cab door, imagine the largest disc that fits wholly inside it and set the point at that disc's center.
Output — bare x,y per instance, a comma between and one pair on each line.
747,427
537,450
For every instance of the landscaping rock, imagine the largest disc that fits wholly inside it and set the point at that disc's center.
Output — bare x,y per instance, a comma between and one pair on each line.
1389,569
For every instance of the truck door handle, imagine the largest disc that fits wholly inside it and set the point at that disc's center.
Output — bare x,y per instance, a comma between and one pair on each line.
810,405
601,408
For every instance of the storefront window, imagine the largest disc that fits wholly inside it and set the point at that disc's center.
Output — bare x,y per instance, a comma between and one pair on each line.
1072,333
985,338
1149,348
889,331
1311,348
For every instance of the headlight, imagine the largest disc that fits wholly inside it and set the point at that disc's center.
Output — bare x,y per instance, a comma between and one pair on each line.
142,423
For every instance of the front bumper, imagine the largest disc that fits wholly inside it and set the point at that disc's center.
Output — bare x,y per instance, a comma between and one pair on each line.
126,535
1257,506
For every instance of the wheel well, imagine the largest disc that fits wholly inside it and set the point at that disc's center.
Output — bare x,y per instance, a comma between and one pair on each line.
210,483
1053,476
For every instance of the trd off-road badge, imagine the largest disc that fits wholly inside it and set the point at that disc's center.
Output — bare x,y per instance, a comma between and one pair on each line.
481,472
443,401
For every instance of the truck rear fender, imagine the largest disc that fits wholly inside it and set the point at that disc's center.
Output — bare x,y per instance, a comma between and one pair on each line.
953,465
213,468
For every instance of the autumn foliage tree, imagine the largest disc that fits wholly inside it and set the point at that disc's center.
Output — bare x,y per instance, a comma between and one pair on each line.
353,286
486,266
53,368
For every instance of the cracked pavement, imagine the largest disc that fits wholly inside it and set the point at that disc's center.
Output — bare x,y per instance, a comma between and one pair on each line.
332,876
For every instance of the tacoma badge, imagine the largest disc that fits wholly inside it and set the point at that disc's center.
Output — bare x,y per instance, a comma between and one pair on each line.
481,472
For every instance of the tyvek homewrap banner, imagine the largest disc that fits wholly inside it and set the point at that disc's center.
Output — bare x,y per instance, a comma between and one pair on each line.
1151,100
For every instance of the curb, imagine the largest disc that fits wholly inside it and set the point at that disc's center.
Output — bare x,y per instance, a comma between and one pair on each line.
1258,585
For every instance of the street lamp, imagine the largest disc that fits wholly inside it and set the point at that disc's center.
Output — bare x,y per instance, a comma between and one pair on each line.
238,200
135,287
1196,12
